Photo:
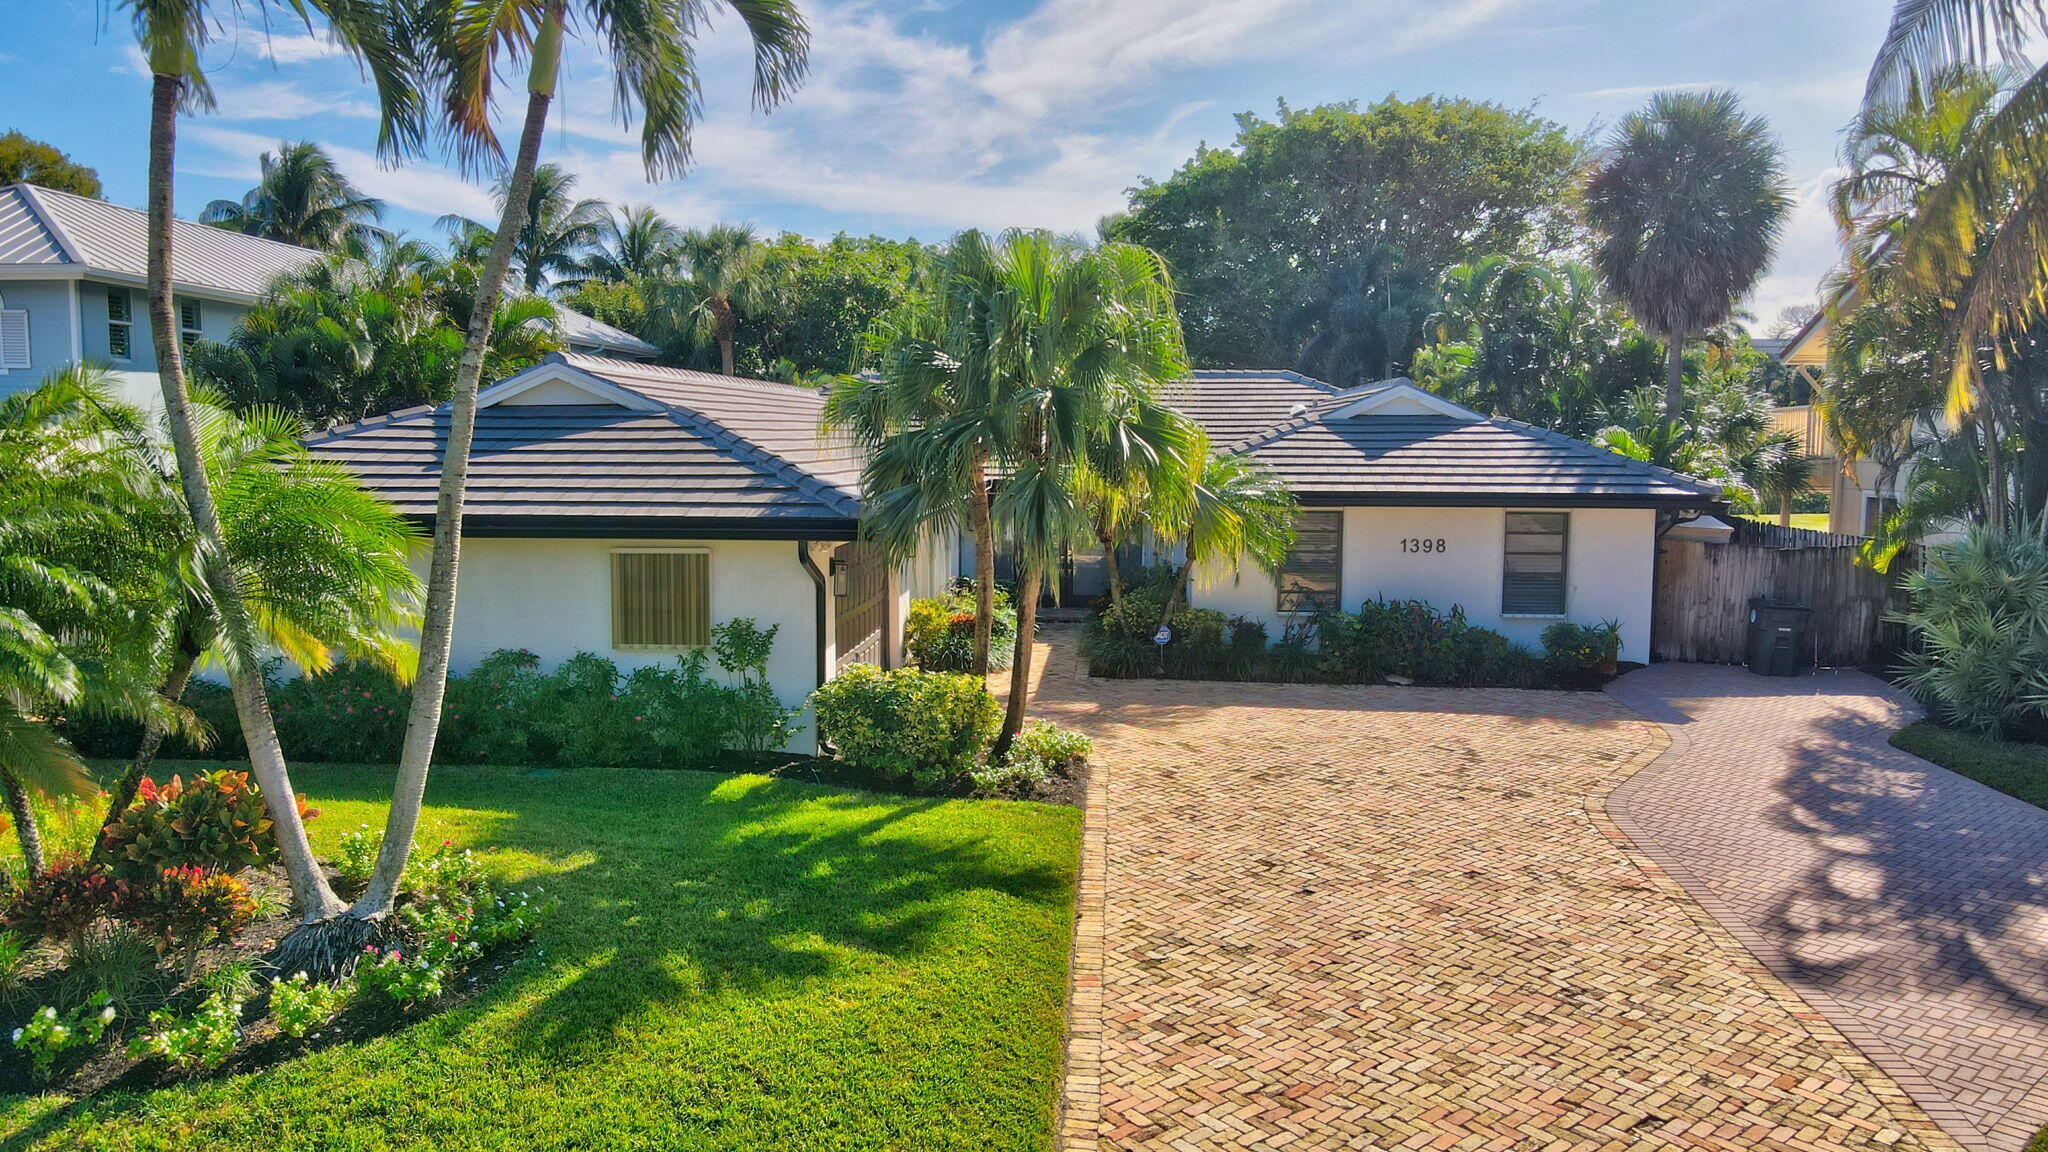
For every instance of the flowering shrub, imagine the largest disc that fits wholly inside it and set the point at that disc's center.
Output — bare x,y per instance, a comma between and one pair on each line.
204,1039
928,728
356,860
446,875
353,714
189,906
48,1036
407,981
487,712
506,917
216,821
300,1005
939,632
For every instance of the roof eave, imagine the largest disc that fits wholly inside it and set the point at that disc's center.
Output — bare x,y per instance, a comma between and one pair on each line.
1326,499
655,527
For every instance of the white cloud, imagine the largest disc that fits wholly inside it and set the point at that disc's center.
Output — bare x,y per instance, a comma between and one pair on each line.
278,99
1638,91
1807,251
420,187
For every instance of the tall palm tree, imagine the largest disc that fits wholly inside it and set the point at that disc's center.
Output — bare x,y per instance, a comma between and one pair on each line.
558,228
634,242
1236,508
301,198
173,35
466,45
322,561
722,273
1686,207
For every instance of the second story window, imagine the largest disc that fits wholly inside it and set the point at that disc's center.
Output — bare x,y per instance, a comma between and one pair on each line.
188,324
120,324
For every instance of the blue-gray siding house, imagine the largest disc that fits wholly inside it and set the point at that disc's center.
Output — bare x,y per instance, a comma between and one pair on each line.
73,272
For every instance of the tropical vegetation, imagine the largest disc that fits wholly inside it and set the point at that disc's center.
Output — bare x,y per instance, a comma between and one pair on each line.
25,160
301,198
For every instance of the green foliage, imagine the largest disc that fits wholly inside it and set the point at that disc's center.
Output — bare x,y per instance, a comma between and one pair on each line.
190,906
49,1036
356,859
929,729
407,981
2015,768
116,959
1042,753
301,198
194,1043
24,160
302,1006
64,899
217,822
756,721
1977,614
939,631
1315,236
1570,648
14,954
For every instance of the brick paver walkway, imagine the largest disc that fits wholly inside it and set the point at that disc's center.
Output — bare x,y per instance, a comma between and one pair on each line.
1900,900
1365,918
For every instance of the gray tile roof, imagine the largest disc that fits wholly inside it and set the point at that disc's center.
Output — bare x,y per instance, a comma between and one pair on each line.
44,229
1289,423
596,468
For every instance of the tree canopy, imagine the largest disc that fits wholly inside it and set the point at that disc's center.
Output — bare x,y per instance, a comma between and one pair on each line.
24,160
1336,218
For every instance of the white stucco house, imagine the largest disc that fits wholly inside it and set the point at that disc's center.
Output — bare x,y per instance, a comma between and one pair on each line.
1405,495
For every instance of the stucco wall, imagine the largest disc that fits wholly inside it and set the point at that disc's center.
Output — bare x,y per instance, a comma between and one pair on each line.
1609,573
553,598
48,303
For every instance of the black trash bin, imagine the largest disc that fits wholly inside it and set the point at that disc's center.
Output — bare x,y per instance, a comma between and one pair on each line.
1777,636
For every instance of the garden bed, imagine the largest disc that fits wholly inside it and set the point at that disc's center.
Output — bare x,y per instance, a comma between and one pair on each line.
736,962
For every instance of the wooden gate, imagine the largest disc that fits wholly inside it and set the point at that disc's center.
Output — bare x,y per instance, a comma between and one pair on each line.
860,606
1703,594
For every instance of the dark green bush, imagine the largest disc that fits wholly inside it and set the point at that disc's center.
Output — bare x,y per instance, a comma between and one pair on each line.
1575,649
928,729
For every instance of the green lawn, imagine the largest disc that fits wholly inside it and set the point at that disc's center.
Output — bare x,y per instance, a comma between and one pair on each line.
1818,521
2015,769
738,963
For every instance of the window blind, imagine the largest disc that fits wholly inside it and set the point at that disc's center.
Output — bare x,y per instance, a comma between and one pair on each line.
661,598
1532,581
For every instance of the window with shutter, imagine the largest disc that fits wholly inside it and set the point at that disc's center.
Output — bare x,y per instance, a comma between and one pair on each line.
661,598
120,325
1532,581
14,338
1311,578
189,332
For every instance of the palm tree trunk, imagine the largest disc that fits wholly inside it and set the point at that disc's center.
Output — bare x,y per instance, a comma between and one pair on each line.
722,329
1020,666
1175,593
173,690
1784,509
25,828
1674,379
437,630
310,893
984,566
1116,576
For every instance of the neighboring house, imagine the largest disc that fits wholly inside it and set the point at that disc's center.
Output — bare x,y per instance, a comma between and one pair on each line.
1859,493
74,285
1406,495
626,508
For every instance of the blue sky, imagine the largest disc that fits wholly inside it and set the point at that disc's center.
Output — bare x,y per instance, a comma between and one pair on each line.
920,119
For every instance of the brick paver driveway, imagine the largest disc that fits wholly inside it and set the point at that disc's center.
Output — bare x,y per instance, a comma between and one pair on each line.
1367,918
1905,903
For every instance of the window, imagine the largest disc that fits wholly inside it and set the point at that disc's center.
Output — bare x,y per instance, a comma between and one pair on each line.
1532,582
13,338
188,324
1310,578
120,325
1876,510
661,598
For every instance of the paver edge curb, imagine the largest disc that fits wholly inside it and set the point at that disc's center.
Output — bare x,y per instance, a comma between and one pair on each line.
1080,1108
1903,1109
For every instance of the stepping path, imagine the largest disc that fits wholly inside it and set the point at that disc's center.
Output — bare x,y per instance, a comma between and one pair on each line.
1368,918
1907,904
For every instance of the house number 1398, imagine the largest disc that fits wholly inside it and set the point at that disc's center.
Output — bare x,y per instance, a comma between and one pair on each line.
1420,544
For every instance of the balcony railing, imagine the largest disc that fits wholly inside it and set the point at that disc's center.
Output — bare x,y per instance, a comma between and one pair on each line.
1804,421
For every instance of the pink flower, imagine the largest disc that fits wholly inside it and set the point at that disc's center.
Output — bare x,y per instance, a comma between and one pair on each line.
640,718
451,937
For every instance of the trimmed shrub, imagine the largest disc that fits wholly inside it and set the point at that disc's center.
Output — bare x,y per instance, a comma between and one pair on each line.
216,822
929,729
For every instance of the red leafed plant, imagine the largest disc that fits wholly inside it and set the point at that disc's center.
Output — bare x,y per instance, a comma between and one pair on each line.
189,906
65,898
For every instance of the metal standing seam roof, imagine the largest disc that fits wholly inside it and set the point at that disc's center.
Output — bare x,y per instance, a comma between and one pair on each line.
1289,423
42,228
599,465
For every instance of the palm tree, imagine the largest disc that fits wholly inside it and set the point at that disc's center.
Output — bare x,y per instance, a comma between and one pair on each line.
75,582
1686,206
1236,508
173,35
634,243
722,272
466,45
557,230
322,562
301,198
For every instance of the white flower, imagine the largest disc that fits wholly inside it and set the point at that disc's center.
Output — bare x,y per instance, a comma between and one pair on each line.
49,1013
107,1013
17,1035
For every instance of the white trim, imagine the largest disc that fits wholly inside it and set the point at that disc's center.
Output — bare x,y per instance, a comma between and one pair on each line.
552,372
77,326
1403,390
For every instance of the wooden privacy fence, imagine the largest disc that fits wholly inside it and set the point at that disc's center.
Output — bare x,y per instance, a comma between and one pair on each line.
1703,594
